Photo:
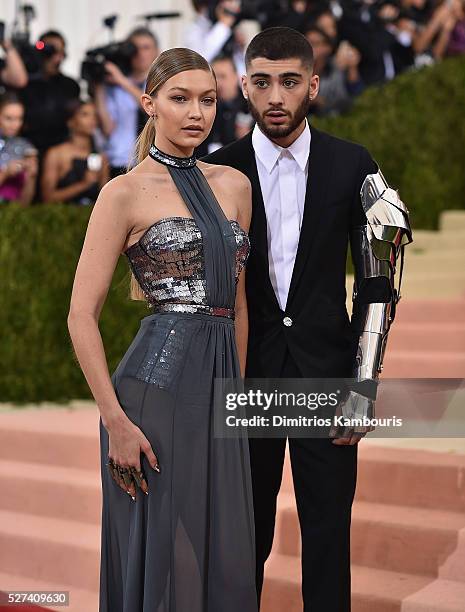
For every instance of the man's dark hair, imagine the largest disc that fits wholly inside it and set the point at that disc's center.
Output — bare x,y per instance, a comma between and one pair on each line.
312,27
142,31
280,43
9,97
74,105
198,5
224,57
54,34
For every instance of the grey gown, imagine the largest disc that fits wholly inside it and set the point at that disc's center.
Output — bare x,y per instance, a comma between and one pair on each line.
187,546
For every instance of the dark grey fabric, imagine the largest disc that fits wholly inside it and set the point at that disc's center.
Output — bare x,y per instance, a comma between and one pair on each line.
189,546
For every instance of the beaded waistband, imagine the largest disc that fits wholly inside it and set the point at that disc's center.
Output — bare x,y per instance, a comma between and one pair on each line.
217,311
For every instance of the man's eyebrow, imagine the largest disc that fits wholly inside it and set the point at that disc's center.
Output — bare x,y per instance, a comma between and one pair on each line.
185,89
283,75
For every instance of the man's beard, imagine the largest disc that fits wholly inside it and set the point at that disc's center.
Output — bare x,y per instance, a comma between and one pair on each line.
278,131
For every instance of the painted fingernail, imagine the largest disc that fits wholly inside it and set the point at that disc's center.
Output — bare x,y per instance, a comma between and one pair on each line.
157,467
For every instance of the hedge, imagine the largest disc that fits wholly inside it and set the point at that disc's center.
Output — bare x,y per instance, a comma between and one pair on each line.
413,127
39,251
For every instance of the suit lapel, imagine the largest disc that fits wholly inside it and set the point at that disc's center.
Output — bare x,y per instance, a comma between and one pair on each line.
319,168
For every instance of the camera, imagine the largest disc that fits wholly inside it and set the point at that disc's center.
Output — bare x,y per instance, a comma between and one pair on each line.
120,53
32,55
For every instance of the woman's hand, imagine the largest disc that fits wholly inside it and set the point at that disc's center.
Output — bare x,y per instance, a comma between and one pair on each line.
91,177
14,167
126,442
31,165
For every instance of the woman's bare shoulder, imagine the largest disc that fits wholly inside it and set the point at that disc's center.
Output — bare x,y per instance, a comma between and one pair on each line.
120,186
57,152
233,176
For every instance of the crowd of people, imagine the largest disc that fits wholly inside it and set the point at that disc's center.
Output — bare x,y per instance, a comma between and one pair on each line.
56,146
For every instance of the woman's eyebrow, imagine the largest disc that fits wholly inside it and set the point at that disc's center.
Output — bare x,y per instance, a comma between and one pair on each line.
188,90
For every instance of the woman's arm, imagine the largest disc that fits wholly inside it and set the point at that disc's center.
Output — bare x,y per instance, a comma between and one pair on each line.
425,36
105,171
243,192
106,122
14,74
104,240
440,47
106,234
31,166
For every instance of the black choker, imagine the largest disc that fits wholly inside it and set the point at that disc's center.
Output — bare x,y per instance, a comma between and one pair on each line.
171,160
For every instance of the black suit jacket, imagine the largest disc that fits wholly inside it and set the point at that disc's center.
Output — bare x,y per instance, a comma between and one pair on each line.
321,338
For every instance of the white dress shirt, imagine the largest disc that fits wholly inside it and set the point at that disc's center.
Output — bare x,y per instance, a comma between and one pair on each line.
282,172
208,39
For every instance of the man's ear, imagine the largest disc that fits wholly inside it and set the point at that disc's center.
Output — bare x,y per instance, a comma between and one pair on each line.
314,86
244,86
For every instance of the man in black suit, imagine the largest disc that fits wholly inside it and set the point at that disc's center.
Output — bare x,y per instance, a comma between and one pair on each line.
306,203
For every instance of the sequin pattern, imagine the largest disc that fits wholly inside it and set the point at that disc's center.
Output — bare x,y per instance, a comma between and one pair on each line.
171,160
169,265
165,351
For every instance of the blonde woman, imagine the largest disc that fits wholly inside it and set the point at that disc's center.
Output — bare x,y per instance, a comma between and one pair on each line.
177,519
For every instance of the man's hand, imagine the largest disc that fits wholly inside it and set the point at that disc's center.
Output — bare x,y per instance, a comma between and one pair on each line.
224,10
114,75
354,406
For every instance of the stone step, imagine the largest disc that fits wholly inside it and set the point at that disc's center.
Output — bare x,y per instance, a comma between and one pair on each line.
431,311
423,364
443,285
385,536
424,479
434,262
80,600
51,491
444,336
438,596
59,436
417,478
50,549
426,241
373,590
452,221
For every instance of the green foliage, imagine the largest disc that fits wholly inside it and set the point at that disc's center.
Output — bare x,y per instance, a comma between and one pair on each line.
39,251
414,128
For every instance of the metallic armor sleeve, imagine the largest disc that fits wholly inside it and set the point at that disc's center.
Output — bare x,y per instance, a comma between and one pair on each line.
376,248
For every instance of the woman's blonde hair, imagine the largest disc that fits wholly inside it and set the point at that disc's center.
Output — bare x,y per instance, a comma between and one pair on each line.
168,63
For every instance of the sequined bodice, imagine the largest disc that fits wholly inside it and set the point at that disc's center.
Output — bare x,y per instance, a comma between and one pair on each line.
168,261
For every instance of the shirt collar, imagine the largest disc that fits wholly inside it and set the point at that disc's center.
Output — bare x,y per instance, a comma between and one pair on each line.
268,152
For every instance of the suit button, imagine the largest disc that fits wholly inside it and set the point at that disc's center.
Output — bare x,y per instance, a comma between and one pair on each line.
287,321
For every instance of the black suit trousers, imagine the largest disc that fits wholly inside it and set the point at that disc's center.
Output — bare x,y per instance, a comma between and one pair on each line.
324,476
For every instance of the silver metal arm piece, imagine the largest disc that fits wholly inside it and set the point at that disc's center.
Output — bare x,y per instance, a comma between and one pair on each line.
376,248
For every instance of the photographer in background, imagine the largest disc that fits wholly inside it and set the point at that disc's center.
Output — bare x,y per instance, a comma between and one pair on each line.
75,171
337,67
46,96
232,120
297,15
18,158
118,100
213,33
12,70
